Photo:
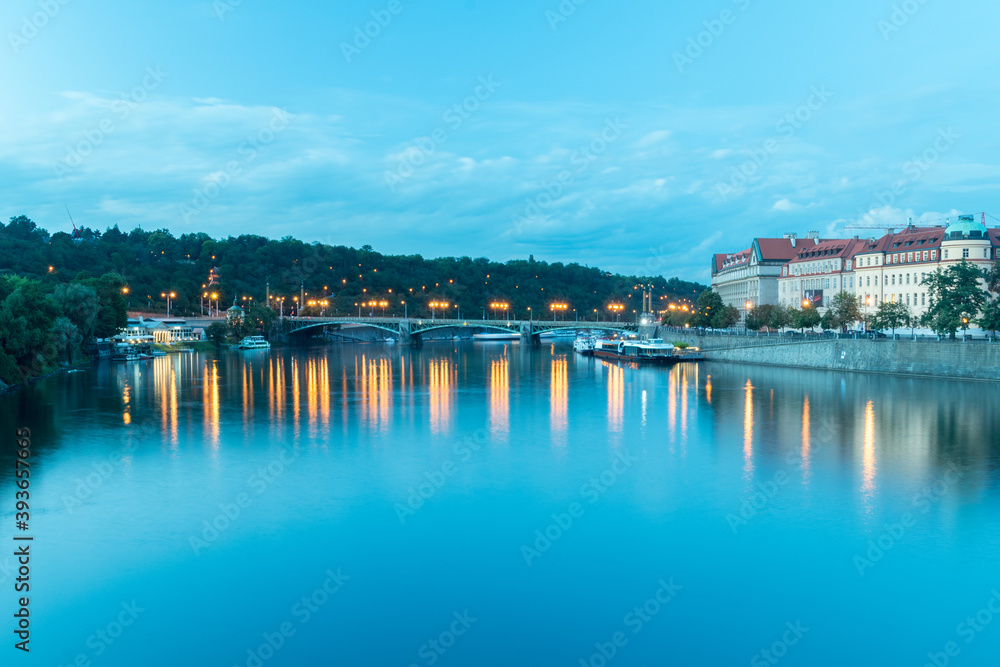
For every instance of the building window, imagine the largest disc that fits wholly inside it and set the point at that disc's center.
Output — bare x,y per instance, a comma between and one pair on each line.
907,278
907,299
934,255
894,279
925,255
965,253
869,281
946,254
922,295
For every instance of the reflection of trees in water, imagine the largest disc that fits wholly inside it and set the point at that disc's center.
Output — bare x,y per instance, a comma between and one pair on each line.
879,424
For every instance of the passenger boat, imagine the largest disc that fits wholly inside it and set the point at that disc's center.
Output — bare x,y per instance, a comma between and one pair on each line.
495,336
254,343
125,352
652,351
585,345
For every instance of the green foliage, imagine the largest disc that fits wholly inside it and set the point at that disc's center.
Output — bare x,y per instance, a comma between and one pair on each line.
990,319
682,346
151,263
956,298
846,309
828,321
709,305
891,316
725,318
805,318
217,332
779,317
752,322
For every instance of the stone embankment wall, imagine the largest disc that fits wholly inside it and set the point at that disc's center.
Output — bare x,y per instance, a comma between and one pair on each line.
925,358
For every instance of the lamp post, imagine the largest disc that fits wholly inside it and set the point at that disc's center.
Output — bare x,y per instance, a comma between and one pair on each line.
557,308
125,292
169,295
502,306
617,309
215,296
868,302
406,315
434,305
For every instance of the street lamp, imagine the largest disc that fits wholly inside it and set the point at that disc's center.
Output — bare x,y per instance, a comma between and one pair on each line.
868,302
557,308
169,296
617,309
215,296
499,305
405,311
434,305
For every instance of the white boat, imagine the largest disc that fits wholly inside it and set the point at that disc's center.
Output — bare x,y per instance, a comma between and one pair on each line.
390,341
254,343
585,345
126,352
558,333
496,336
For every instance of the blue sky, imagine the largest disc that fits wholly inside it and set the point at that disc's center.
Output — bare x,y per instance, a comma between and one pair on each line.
595,132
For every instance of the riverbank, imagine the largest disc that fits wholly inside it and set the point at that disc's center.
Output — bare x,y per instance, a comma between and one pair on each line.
14,388
930,359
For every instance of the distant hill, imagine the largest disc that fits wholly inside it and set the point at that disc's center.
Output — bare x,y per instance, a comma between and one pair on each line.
155,262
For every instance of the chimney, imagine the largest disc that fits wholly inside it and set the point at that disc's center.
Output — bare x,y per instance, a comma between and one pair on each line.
814,236
791,237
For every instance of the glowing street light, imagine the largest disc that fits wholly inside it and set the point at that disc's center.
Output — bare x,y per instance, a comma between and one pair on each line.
617,309
434,305
169,296
500,305
557,308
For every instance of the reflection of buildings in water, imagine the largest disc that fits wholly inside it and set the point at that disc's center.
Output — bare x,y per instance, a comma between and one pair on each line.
500,398
868,454
748,429
865,425
806,438
376,392
558,399
210,402
442,376
616,396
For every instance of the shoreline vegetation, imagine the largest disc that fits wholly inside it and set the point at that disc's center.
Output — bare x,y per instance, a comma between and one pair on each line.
61,292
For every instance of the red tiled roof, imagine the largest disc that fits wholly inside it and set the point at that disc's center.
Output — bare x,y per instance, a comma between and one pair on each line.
781,249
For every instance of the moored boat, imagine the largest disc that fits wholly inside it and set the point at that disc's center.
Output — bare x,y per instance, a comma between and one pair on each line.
652,351
585,345
254,343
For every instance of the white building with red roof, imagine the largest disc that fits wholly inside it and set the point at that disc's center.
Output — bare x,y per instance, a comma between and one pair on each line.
749,278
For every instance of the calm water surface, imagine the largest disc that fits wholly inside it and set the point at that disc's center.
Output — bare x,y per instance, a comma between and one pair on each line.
493,505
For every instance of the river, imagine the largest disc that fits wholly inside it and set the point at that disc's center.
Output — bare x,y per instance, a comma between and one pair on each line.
487,504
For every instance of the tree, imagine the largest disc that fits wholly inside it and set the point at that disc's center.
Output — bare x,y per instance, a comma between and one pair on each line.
956,298
217,333
65,338
846,308
806,317
779,317
80,304
990,319
891,315
752,322
709,303
725,318
992,278
829,320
